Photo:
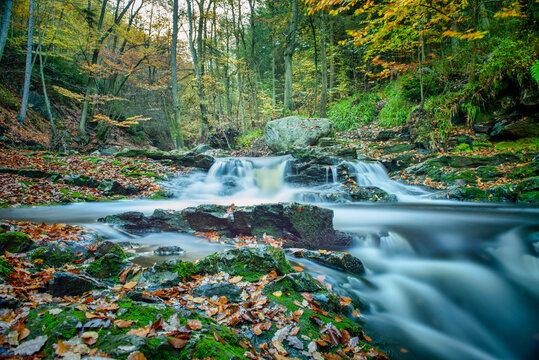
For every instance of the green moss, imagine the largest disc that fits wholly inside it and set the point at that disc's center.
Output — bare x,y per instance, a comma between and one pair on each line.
208,347
107,267
468,176
143,314
53,255
5,267
529,144
160,195
186,269
15,242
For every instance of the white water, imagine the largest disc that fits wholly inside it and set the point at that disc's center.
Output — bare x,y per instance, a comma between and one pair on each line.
444,280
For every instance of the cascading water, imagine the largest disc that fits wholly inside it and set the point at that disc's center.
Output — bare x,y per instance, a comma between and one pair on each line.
443,280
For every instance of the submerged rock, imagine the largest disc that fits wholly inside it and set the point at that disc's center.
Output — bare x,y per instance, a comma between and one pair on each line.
293,131
191,158
168,250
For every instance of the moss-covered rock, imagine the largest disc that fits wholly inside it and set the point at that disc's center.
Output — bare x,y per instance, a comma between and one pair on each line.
15,242
53,255
108,247
251,263
5,268
107,267
338,260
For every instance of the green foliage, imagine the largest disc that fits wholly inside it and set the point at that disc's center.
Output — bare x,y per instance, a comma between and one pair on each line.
5,267
359,110
245,140
534,70
510,58
396,109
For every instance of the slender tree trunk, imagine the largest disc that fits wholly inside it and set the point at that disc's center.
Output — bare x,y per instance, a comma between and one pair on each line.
203,129
5,26
324,64
421,55
173,55
273,80
331,62
288,54
475,16
28,70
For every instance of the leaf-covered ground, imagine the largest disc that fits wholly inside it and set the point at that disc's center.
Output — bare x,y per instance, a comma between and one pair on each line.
270,320
60,172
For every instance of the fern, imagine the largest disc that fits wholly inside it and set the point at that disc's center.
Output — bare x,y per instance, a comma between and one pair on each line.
535,71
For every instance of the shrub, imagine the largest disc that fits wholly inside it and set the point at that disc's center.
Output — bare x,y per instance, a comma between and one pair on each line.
245,140
359,110
396,109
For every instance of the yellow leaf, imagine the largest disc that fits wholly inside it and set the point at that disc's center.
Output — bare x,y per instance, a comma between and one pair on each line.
278,293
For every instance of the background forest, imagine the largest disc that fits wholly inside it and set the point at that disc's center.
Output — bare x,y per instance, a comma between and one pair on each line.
170,73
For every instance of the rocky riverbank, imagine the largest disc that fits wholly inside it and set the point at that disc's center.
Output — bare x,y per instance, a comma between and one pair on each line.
66,294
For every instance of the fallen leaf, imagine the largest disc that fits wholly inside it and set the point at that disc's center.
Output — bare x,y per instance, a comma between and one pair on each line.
122,324
130,285
194,324
307,296
136,355
278,293
297,268
90,337
177,343
30,347
61,348
55,311
141,332
235,279
219,338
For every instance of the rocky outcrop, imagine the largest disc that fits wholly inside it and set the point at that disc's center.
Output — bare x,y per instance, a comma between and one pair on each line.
512,130
287,133
301,225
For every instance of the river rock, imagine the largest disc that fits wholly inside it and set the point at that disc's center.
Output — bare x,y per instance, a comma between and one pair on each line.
163,274
108,247
301,225
248,262
69,284
293,131
338,260
161,220
168,250
226,289
15,242
459,161
53,255
107,267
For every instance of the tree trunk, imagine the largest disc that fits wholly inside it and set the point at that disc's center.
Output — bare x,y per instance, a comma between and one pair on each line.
95,56
288,54
5,26
324,64
475,16
203,126
331,62
173,54
421,55
28,70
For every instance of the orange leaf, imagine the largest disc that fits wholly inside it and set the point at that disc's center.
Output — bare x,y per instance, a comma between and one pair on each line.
122,324
194,324
177,343
136,355
130,285
141,332
297,268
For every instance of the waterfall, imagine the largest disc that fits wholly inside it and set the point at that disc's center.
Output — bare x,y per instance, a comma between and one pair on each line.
374,174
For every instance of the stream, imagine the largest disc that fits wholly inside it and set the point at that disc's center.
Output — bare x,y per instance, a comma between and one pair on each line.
444,280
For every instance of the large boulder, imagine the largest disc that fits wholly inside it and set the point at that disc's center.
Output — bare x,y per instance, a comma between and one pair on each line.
293,131
161,220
